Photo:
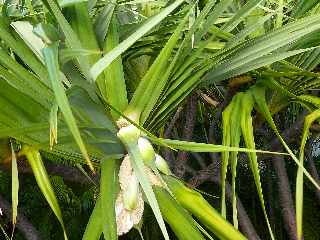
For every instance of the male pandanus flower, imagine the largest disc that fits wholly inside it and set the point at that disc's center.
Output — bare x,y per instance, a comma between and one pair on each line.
129,203
177,202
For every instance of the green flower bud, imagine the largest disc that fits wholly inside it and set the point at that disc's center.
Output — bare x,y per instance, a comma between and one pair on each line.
130,195
146,150
162,165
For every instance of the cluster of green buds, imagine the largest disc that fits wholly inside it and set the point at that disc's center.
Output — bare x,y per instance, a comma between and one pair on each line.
150,158
130,203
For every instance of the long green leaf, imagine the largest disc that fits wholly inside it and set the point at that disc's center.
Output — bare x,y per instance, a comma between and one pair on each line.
260,47
156,78
81,24
235,133
231,69
42,178
226,115
108,195
50,54
212,18
204,147
103,21
248,30
247,103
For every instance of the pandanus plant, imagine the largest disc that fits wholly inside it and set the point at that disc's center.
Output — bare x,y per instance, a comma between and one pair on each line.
83,84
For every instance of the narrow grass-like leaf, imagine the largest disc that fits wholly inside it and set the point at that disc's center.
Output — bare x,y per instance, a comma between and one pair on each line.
259,95
231,69
156,78
299,181
15,186
280,13
204,147
108,195
226,115
212,18
183,50
51,59
178,91
262,46
104,62
42,178
235,133
247,102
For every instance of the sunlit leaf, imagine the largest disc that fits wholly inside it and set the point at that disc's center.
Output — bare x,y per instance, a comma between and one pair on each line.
42,178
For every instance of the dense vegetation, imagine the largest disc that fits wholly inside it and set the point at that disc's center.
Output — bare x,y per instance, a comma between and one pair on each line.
159,119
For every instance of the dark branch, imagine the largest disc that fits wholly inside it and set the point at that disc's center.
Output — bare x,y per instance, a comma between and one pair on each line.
180,166
167,134
23,224
173,121
68,173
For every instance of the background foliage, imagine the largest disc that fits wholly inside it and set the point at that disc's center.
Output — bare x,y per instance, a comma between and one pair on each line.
222,78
